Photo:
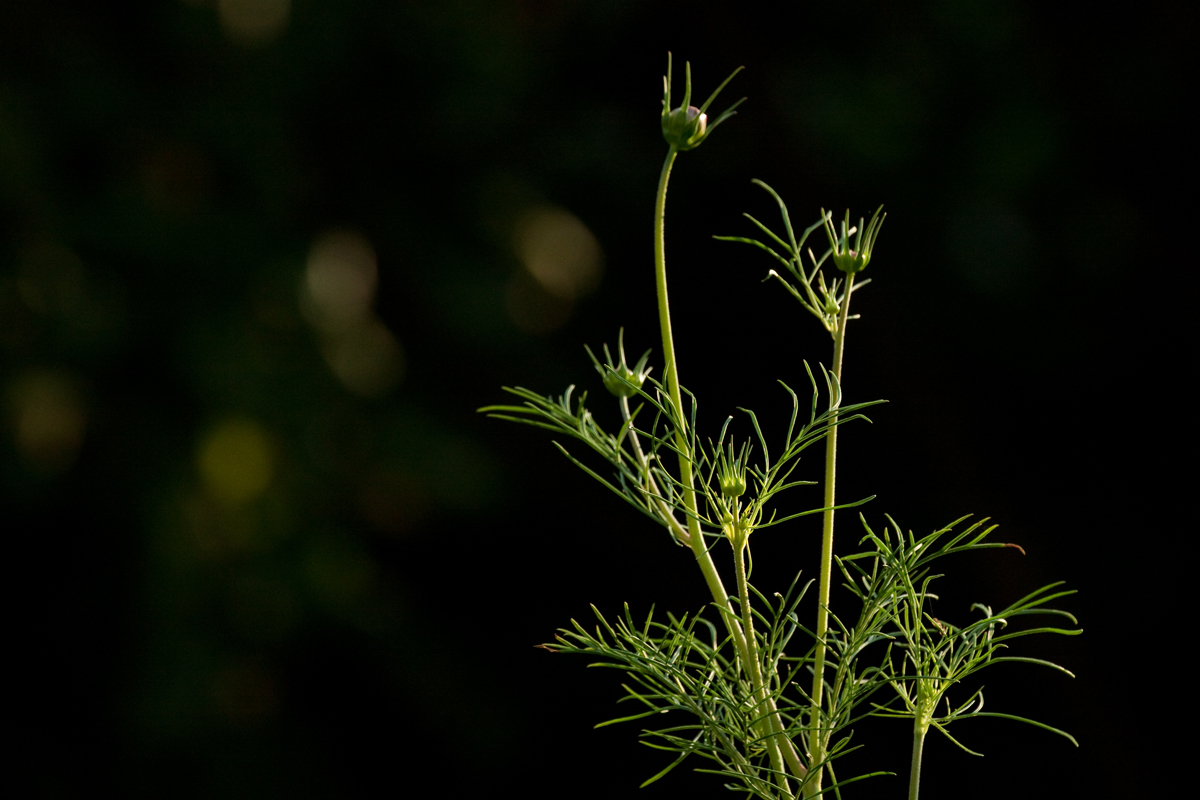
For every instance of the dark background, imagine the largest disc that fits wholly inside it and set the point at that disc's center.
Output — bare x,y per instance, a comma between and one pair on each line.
258,549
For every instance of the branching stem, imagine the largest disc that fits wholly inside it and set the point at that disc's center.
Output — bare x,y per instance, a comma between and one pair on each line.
817,734
695,536
754,667
664,511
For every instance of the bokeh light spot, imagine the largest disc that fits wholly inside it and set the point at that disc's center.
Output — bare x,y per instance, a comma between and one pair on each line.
254,22
339,281
336,297
48,417
367,360
559,251
236,461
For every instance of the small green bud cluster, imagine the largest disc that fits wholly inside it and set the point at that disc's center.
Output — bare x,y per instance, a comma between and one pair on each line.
731,471
737,521
619,378
734,529
850,261
853,259
733,484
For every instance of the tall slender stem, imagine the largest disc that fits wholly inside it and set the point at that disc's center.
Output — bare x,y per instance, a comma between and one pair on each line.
817,734
914,777
672,371
696,538
754,666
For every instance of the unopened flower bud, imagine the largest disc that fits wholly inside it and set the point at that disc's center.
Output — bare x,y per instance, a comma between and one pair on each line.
619,378
849,261
684,127
618,381
733,484
852,257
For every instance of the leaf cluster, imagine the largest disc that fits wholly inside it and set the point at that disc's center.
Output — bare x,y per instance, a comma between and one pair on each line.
935,655
822,300
682,665
641,472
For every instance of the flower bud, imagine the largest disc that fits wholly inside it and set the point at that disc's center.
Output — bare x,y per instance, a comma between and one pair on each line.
618,379
852,258
731,471
617,374
849,261
733,484
684,127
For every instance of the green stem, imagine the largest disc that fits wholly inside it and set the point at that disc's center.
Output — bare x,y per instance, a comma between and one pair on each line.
665,513
817,734
685,465
696,538
914,778
754,667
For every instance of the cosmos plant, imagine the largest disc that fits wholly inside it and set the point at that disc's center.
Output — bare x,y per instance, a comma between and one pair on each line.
745,688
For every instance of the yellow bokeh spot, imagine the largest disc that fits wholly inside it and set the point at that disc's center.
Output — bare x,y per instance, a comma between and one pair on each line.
236,461
559,251
254,22
49,418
